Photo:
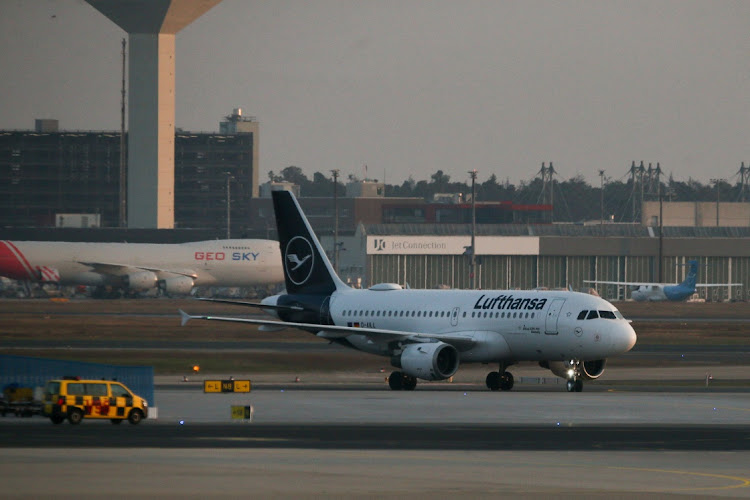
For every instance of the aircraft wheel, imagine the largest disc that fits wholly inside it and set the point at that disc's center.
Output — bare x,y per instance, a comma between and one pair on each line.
493,381
408,382
578,385
571,385
396,381
506,381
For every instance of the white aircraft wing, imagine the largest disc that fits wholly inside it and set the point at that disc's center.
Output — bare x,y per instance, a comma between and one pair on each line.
627,283
119,269
333,331
717,284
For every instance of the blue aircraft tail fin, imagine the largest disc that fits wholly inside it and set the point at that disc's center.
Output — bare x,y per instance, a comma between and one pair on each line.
692,274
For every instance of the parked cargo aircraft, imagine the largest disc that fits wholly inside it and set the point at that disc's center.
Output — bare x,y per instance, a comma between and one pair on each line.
175,268
656,292
428,333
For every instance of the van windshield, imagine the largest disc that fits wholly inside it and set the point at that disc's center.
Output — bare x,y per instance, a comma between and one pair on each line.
119,391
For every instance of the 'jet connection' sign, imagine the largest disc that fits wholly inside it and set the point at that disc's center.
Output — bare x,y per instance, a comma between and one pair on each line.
452,245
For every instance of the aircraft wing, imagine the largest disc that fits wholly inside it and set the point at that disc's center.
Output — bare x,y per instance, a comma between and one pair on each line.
717,284
333,331
118,269
627,283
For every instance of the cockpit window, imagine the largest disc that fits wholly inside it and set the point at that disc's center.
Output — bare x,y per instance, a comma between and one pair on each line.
582,314
592,315
607,314
619,315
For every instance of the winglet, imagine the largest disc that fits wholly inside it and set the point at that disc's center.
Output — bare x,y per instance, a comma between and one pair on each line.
185,317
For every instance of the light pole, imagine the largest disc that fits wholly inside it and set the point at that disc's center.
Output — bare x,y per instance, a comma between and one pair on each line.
717,182
229,206
473,257
661,231
335,173
601,201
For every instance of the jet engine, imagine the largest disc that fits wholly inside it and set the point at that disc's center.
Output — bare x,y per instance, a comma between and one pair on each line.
179,285
429,361
588,370
142,280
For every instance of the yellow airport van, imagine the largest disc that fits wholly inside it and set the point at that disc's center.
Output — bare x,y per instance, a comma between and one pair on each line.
77,399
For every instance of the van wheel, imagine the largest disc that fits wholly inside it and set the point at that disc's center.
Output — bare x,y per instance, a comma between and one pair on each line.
75,416
116,421
135,417
57,419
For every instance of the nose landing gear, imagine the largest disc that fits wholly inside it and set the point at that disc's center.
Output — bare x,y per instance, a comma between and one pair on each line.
574,384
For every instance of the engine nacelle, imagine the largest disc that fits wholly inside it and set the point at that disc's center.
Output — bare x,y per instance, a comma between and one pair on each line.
589,370
179,285
430,361
142,280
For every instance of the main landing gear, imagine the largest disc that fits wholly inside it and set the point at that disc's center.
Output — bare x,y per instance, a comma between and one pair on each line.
399,381
501,380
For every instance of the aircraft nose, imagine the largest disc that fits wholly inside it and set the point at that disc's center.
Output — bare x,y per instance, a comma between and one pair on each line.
626,338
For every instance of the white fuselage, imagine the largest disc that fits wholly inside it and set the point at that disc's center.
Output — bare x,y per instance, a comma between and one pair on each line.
214,262
507,324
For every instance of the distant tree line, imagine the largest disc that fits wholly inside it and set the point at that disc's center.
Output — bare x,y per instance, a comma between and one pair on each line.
573,200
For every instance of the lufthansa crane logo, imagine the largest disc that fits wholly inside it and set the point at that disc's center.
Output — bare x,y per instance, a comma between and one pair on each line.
298,260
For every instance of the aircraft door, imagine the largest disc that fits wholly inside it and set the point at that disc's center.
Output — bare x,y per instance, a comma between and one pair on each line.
454,316
553,313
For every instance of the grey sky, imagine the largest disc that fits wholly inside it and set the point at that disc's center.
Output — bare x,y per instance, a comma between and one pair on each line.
412,86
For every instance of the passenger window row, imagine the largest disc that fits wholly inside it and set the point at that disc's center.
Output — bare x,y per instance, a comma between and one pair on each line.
503,315
400,314
435,314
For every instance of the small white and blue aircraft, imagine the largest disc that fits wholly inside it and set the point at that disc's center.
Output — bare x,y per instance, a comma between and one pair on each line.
426,334
656,292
